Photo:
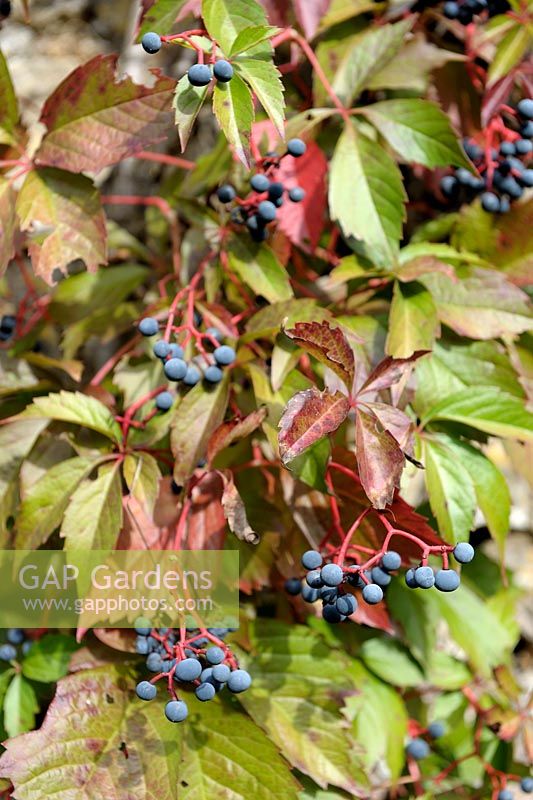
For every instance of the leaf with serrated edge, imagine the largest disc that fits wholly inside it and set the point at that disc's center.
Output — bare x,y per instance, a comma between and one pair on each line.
49,658
397,423
419,132
450,491
327,344
235,511
188,100
389,371
362,170
199,414
45,501
162,15
8,222
142,475
264,79
93,122
75,407
413,322
93,518
66,220
225,19
231,431
259,267
8,104
234,110
76,752
251,36
309,416
380,461
16,441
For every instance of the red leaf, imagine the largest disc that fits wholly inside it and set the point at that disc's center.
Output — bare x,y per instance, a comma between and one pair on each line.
397,423
235,511
309,13
93,122
379,459
277,12
303,222
235,429
388,372
375,616
329,345
309,416
206,523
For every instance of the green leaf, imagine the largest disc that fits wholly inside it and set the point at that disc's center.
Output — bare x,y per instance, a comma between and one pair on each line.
45,501
264,79
418,130
226,19
268,320
188,100
250,37
49,658
234,110
20,706
16,441
77,408
142,475
413,322
415,612
450,489
161,16
361,169
291,670
8,223
200,413
510,51
311,466
258,266
368,55
391,661
488,410
93,518
70,217
8,104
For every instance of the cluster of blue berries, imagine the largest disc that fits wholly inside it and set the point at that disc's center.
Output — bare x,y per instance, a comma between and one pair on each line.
504,173
195,663
8,324
15,638
198,74
464,11
324,581
526,785
259,207
176,368
418,748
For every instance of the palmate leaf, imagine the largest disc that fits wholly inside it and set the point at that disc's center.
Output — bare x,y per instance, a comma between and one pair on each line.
366,195
234,110
66,220
93,121
309,416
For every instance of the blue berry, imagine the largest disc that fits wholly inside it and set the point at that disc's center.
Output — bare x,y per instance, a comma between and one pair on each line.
346,604
226,193
328,594
372,594
331,615
526,784
239,681
449,186
188,670
278,202
472,149
332,574
276,190
253,223
221,673
293,586
505,205
223,71
192,376
511,187
380,577
259,182
215,655
163,401
142,646
199,75
143,627
505,794
436,730
463,552
310,595
424,577
8,323
176,711
527,130
314,579
523,146
161,349
266,211
15,635
296,194
215,334
151,43
296,147
148,326
418,749
205,692
224,355
391,560
525,108
507,149
526,178
450,9
7,652
176,351
154,663
311,559
213,374
175,369
447,580
490,202
145,690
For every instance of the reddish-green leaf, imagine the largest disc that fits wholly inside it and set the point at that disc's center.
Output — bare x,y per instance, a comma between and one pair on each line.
310,415
327,344
65,219
93,121
8,104
413,322
380,460
389,371
206,522
397,423
231,431
8,222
